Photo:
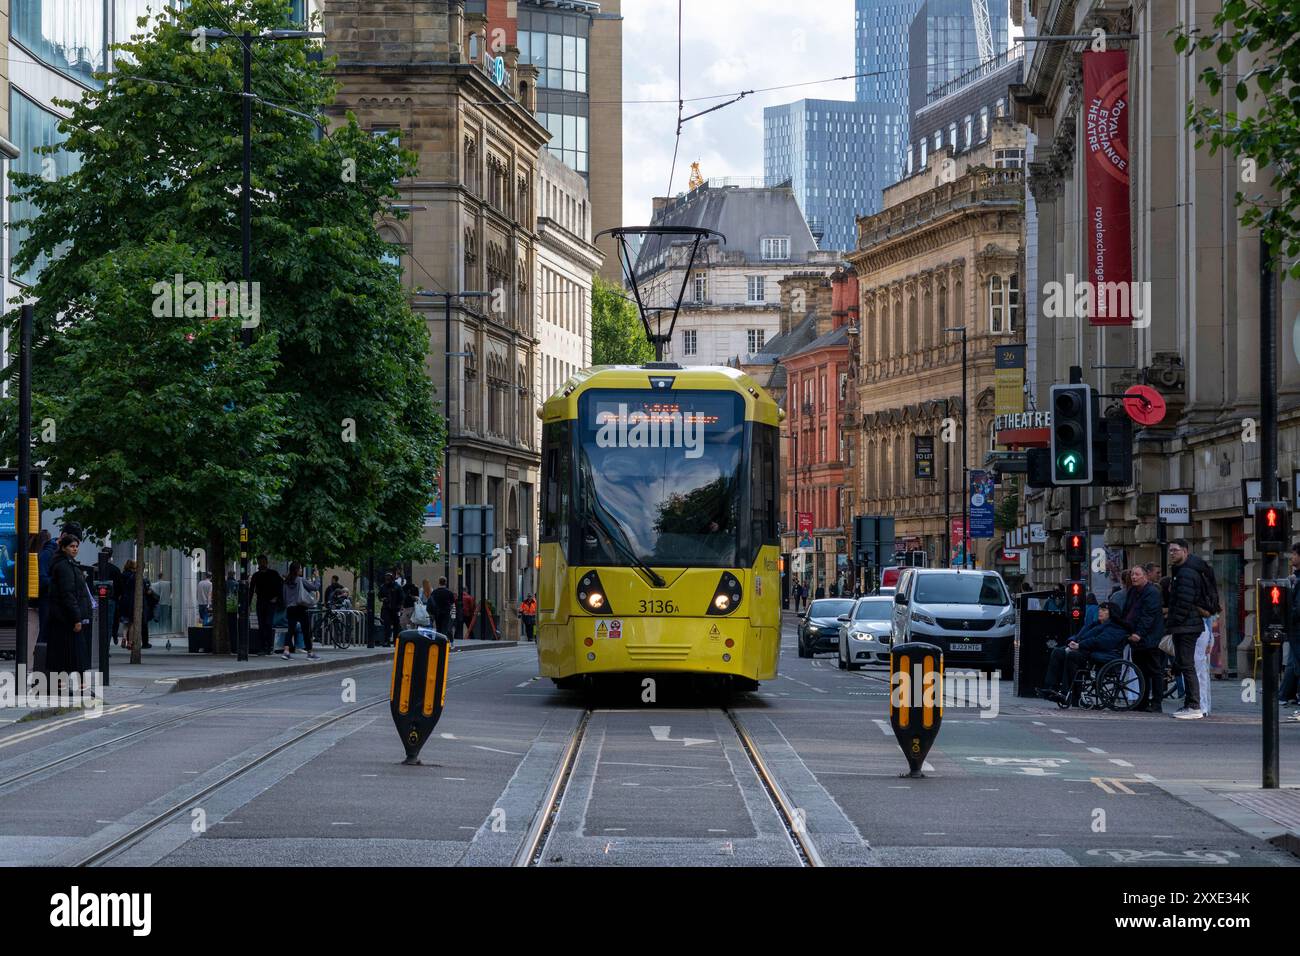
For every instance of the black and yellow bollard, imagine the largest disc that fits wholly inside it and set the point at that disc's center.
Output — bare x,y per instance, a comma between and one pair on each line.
419,688
915,699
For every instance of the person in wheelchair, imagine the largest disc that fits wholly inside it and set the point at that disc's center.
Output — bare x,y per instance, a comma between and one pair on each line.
1097,643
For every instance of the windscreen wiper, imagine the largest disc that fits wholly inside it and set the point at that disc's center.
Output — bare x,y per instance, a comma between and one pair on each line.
594,509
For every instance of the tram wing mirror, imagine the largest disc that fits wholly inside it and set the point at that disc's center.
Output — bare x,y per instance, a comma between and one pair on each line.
419,688
843,619
915,700
900,598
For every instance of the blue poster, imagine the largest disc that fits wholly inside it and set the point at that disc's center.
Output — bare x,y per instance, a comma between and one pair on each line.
8,548
981,504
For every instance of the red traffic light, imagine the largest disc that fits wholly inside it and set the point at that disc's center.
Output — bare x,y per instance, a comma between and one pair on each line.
1272,527
1275,596
1270,517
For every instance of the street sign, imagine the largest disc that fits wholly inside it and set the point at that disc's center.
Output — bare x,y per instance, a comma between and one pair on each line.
1144,405
1176,509
473,530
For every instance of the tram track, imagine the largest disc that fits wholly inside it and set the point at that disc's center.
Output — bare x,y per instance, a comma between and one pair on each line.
534,847
137,834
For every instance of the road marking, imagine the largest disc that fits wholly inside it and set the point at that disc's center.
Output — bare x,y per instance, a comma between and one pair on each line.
900,787
1118,783
1038,723
885,729
1120,763
712,830
934,833
524,684
657,766
1074,740
926,765
1055,731
661,734
1096,750
458,780
1145,776
340,823
99,771
495,751
805,684
988,789
370,775
617,829
447,736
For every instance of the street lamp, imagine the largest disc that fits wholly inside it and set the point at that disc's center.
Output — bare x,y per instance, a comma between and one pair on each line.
965,480
447,298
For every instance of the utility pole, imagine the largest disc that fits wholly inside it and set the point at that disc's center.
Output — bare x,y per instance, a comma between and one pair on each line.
947,492
1268,492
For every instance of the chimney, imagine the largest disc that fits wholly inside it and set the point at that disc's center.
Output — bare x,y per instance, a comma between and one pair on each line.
475,37
456,24
528,75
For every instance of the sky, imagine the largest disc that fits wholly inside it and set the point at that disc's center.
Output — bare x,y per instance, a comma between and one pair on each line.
728,46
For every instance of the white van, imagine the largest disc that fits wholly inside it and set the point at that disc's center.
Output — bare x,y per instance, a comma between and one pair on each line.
967,613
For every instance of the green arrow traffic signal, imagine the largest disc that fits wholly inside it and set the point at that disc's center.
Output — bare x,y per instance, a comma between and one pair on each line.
1070,462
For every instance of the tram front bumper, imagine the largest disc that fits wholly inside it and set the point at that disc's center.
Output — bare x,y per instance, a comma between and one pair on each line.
699,644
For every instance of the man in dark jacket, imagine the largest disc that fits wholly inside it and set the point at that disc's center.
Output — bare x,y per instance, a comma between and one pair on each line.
390,596
1144,618
1186,611
1101,643
68,624
268,590
441,601
1291,677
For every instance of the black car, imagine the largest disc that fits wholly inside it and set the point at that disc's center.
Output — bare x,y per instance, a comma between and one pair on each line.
819,628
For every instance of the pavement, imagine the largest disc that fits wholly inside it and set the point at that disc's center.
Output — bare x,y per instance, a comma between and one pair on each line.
173,669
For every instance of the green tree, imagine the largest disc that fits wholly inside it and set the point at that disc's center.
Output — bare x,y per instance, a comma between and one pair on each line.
157,417
1269,135
161,162
617,335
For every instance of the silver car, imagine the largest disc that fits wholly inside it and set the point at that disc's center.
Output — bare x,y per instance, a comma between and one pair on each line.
864,632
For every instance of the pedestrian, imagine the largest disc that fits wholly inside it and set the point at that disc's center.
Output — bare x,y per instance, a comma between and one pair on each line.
268,591
798,598
440,603
820,592
298,597
203,598
467,612
1091,610
1142,615
330,590
45,555
390,596
528,614
426,591
410,594
1290,692
1192,601
67,631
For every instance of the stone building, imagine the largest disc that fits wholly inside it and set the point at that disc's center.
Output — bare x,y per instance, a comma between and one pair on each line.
731,306
1201,270
944,252
422,70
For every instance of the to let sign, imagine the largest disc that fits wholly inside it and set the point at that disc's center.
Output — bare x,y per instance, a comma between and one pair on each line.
923,456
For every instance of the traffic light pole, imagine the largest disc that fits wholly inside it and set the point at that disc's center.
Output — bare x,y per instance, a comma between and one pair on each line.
1268,492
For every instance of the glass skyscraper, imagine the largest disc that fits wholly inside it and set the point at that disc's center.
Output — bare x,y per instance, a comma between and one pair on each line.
881,28
838,156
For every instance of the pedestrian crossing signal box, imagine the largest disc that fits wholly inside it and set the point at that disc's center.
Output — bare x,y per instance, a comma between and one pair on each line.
419,688
1076,600
1273,601
1272,527
1076,548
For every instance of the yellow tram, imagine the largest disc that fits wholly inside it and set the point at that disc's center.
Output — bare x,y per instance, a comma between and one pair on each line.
659,540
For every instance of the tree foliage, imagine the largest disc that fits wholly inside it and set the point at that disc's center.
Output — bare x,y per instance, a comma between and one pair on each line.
1263,35
335,383
617,335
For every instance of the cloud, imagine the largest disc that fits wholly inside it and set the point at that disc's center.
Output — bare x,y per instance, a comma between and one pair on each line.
727,46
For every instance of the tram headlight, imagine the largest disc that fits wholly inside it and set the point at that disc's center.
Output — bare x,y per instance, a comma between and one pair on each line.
727,596
591,594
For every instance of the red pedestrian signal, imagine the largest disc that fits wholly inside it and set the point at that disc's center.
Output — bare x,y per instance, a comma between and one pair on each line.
1272,527
1076,596
1274,603
1075,550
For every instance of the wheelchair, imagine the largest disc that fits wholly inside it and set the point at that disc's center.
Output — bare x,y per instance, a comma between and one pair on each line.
1114,685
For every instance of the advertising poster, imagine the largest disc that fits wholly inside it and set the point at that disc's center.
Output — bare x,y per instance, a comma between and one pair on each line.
8,548
433,509
981,504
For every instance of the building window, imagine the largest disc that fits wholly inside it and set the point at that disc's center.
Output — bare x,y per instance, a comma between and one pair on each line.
966,127
1008,158
776,248
756,291
756,337
1004,300
1000,107
984,123
68,35
31,127
844,385
924,143
1013,302
952,135
690,345
701,287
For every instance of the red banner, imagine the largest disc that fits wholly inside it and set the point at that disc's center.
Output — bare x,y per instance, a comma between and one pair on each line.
1105,122
805,522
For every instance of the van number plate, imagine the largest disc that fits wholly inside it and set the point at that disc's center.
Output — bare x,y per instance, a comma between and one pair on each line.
963,647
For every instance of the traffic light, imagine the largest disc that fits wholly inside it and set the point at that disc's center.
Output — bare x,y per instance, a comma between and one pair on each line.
1076,600
1076,551
1272,527
1071,435
1273,599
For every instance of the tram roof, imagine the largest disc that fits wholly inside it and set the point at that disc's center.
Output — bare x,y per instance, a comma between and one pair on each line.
759,405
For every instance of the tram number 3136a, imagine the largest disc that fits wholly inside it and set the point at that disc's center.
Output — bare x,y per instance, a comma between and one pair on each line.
659,607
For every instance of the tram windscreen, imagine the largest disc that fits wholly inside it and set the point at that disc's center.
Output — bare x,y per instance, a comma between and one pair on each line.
659,477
